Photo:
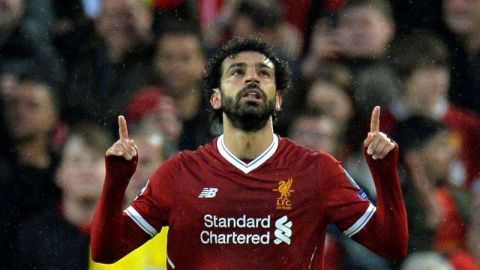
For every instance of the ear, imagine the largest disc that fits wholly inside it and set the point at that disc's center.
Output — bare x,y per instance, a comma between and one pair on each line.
278,101
216,99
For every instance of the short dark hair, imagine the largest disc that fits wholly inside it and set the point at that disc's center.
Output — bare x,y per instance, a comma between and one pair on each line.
213,70
415,131
37,78
415,51
383,6
262,14
178,29
95,136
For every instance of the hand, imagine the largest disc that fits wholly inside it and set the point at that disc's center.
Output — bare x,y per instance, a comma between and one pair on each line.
124,147
378,144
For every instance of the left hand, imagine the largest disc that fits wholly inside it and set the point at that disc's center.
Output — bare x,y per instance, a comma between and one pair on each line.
378,144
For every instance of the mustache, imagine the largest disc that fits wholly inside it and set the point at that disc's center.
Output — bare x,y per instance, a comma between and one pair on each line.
251,86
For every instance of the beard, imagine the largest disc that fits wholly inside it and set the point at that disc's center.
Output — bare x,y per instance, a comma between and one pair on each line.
248,116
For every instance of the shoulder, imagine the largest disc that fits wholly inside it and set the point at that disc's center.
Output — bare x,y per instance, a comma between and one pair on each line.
462,115
295,153
188,158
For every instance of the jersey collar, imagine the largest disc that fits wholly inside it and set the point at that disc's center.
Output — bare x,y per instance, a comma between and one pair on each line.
252,165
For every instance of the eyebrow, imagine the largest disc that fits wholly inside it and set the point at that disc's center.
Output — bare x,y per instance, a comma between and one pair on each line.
258,65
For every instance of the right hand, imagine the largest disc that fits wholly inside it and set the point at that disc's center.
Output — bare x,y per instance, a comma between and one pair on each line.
124,147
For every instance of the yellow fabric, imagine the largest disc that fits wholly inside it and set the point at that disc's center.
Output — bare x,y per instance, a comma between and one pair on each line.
151,256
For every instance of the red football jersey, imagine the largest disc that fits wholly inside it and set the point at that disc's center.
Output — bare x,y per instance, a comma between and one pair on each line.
271,213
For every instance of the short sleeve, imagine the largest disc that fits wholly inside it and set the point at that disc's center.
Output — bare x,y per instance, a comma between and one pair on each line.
346,204
151,209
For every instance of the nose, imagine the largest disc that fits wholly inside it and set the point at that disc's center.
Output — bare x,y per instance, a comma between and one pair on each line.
252,76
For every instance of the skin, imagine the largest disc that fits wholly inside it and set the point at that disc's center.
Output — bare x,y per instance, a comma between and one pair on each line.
364,32
317,133
80,176
425,88
238,72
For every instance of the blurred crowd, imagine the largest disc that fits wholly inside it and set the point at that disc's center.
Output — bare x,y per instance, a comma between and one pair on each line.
69,68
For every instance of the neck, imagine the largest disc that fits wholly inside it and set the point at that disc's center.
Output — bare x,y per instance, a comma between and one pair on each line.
79,211
34,152
188,105
247,145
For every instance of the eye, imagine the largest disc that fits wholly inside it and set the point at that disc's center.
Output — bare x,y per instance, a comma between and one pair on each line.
238,72
264,73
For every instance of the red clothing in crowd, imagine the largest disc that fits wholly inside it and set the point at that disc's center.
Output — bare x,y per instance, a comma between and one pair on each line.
464,126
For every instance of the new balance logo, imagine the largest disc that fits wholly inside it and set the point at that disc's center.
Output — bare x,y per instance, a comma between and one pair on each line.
208,193
283,231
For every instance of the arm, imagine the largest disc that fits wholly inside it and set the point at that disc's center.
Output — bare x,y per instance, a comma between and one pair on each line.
113,233
387,232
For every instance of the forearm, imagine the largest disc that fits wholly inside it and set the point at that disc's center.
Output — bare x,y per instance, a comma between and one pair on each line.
113,233
387,232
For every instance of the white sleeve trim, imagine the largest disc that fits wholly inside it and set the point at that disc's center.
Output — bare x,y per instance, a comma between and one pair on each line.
361,222
140,221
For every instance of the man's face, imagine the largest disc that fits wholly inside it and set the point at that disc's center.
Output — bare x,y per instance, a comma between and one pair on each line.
314,132
10,13
248,90
179,63
428,86
462,16
364,32
124,22
437,155
330,99
81,171
29,111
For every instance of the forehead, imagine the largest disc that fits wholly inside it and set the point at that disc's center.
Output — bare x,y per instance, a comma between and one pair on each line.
248,58
33,91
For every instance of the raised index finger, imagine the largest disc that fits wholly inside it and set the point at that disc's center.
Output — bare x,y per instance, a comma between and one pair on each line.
122,127
375,121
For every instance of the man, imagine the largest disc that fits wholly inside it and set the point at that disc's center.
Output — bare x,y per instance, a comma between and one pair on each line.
422,64
179,54
28,164
58,238
249,199
439,212
112,65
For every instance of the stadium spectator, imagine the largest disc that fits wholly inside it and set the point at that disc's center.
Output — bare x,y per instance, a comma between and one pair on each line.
152,107
422,64
462,20
439,213
112,65
254,18
25,43
178,64
358,40
28,164
58,238
316,131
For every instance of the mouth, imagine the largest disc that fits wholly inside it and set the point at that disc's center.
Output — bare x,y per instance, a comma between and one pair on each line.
253,93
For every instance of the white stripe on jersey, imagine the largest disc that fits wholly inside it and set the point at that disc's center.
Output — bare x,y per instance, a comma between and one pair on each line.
140,221
238,163
170,262
361,222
